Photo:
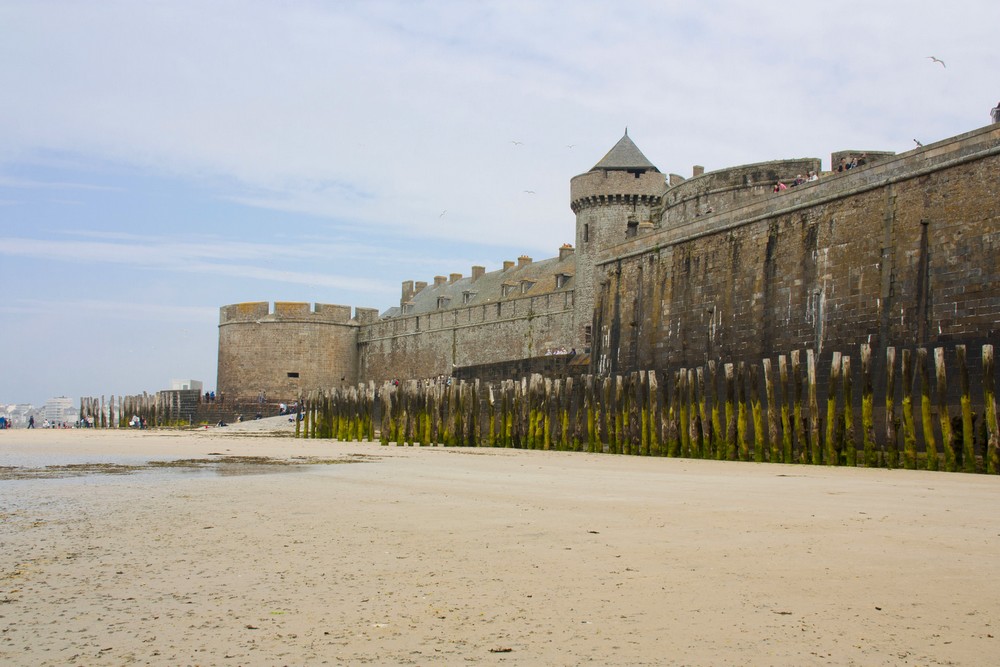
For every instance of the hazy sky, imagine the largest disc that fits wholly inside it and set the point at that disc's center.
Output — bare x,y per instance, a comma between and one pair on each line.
161,159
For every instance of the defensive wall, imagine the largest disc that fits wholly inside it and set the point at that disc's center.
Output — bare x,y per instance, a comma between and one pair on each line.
432,344
902,252
278,353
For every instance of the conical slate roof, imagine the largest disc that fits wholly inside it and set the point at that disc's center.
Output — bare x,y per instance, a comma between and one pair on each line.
625,156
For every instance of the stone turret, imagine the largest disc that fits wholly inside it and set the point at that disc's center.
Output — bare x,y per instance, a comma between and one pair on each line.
610,201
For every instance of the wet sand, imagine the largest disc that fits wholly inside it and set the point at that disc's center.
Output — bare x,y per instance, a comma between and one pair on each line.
421,556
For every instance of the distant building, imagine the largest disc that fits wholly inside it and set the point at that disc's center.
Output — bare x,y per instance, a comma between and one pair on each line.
59,409
180,385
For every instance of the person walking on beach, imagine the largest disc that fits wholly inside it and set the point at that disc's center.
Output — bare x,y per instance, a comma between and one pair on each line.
31,421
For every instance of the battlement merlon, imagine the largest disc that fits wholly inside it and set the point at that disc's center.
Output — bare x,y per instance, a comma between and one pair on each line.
260,312
606,186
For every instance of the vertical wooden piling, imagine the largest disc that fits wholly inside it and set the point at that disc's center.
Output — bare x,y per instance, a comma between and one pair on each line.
731,451
909,424
814,422
947,434
867,408
930,445
705,426
891,437
759,435
992,454
774,455
831,450
787,434
968,435
850,444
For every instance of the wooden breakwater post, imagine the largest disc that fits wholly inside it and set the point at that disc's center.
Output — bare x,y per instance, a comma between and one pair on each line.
850,445
654,407
730,377
696,448
868,408
891,427
741,411
798,423
930,443
968,434
947,435
831,456
775,453
787,435
909,425
759,435
704,424
814,440
718,434
992,454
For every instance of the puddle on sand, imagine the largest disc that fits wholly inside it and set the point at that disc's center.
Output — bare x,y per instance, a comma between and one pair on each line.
218,466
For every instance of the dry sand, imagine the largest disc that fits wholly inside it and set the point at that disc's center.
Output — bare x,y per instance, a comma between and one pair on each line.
476,556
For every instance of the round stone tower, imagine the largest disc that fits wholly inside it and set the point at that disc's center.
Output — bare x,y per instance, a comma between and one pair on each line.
610,201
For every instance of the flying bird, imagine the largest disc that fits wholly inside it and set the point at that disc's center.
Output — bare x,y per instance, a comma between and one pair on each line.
570,145
442,213
919,145
530,192
937,60
517,143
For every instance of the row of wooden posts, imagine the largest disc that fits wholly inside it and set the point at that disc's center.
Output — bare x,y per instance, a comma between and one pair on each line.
682,413
106,412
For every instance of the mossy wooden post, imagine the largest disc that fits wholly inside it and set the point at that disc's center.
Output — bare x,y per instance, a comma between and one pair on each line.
831,450
588,408
801,451
891,437
550,400
307,416
868,408
718,433
815,446
930,445
653,393
705,426
757,414
730,375
968,435
385,406
694,421
770,395
909,425
672,390
506,408
616,409
947,436
850,444
742,420
606,420
642,390
992,454
787,432
429,407
683,413
570,437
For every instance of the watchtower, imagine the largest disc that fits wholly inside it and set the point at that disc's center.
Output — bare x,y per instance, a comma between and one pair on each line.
610,201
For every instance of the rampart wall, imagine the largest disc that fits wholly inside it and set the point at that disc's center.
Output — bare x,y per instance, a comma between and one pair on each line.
291,349
903,252
431,344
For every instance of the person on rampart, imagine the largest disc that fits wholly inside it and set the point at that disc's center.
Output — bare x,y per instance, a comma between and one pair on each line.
995,113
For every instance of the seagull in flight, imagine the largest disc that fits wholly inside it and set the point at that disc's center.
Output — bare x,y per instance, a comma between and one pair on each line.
530,192
517,143
442,213
937,60
570,145
919,145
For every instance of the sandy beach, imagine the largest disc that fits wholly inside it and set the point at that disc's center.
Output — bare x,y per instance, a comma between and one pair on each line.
417,556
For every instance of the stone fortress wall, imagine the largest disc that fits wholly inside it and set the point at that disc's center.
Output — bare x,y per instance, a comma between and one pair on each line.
902,252
288,350
673,272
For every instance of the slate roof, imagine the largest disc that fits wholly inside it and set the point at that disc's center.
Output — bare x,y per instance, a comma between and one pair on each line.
538,278
625,156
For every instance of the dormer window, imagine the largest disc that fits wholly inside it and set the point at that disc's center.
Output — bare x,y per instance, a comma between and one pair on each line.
407,308
507,289
561,280
467,297
526,285
443,302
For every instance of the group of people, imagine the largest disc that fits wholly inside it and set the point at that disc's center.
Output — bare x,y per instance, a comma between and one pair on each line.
210,397
854,162
799,180
559,350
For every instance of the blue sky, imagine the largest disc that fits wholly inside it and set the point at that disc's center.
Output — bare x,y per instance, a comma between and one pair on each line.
161,159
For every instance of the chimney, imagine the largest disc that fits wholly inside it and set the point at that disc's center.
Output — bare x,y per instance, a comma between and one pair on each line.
478,272
507,265
565,251
407,291
697,170
440,280
419,286
523,260
454,277
676,179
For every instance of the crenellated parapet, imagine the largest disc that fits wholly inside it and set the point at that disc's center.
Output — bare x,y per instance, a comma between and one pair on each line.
605,187
260,312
